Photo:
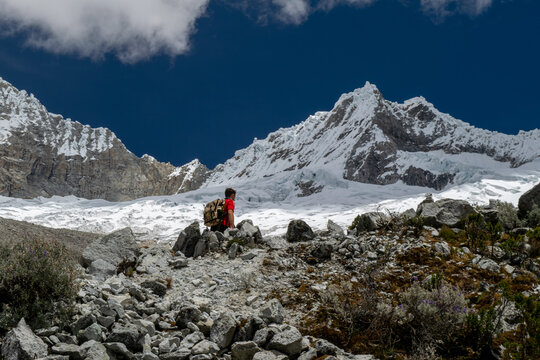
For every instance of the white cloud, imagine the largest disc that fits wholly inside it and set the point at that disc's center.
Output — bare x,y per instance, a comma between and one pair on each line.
292,11
133,30
330,4
440,9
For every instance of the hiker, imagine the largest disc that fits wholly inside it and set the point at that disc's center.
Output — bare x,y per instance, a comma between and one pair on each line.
228,220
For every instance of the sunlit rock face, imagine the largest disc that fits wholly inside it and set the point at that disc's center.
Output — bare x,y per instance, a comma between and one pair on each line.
43,154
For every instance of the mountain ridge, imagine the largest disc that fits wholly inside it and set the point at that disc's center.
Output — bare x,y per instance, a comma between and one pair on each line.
363,138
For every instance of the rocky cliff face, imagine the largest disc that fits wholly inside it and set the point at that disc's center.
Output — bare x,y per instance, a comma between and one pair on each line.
43,154
366,138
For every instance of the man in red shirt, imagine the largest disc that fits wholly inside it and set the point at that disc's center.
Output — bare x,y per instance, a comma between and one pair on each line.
230,195
228,219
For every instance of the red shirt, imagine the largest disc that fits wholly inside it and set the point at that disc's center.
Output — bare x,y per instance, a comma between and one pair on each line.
229,205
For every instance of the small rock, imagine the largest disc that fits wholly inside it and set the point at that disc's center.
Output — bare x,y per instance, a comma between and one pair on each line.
205,347
244,350
442,248
272,312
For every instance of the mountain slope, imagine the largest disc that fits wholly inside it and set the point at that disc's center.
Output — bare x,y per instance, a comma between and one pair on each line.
43,154
366,138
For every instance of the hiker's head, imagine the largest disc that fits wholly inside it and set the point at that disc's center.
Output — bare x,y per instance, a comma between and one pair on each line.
230,193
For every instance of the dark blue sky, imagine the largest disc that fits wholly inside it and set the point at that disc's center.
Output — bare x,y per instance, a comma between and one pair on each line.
243,79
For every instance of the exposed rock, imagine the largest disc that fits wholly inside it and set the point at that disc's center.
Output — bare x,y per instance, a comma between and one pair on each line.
155,259
288,341
273,312
299,230
244,350
205,347
322,251
528,200
188,239
113,248
101,269
22,344
335,230
127,335
186,315
156,284
222,331
447,212
233,250
269,355
370,221
74,352
442,248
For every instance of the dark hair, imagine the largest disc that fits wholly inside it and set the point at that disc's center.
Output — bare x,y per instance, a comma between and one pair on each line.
229,192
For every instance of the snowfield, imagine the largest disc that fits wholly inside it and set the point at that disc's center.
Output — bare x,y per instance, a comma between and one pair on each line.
271,203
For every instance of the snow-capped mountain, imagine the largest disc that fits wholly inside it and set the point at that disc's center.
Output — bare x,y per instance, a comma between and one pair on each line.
43,154
363,139
368,139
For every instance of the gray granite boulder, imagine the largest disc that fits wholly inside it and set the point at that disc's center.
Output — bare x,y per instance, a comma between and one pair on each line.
222,332
272,312
447,212
22,344
244,350
370,221
188,239
113,248
299,230
101,269
288,341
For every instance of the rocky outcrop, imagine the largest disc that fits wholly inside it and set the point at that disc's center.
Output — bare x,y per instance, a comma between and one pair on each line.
447,212
528,200
119,246
43,154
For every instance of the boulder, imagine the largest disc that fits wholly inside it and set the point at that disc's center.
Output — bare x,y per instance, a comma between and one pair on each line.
442,248
322,251
370,221
114,248
156,284
299,230
22,344
93,332
244,350
335,230
155,259
101,269
250,230
528,200
205,347
222,332
288,341
188,239
269,355
94,350
186,315
127,335
447,212
273,312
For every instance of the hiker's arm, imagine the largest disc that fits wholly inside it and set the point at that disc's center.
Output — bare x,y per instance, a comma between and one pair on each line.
230,213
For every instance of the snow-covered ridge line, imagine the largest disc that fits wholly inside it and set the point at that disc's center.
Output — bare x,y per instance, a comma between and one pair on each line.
21,112
364,131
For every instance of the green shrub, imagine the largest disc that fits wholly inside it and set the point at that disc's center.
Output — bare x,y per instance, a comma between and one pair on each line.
447,234
417,224
240,242
525,343
534,241
533,217
476,235
511,245
508,215
37,282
